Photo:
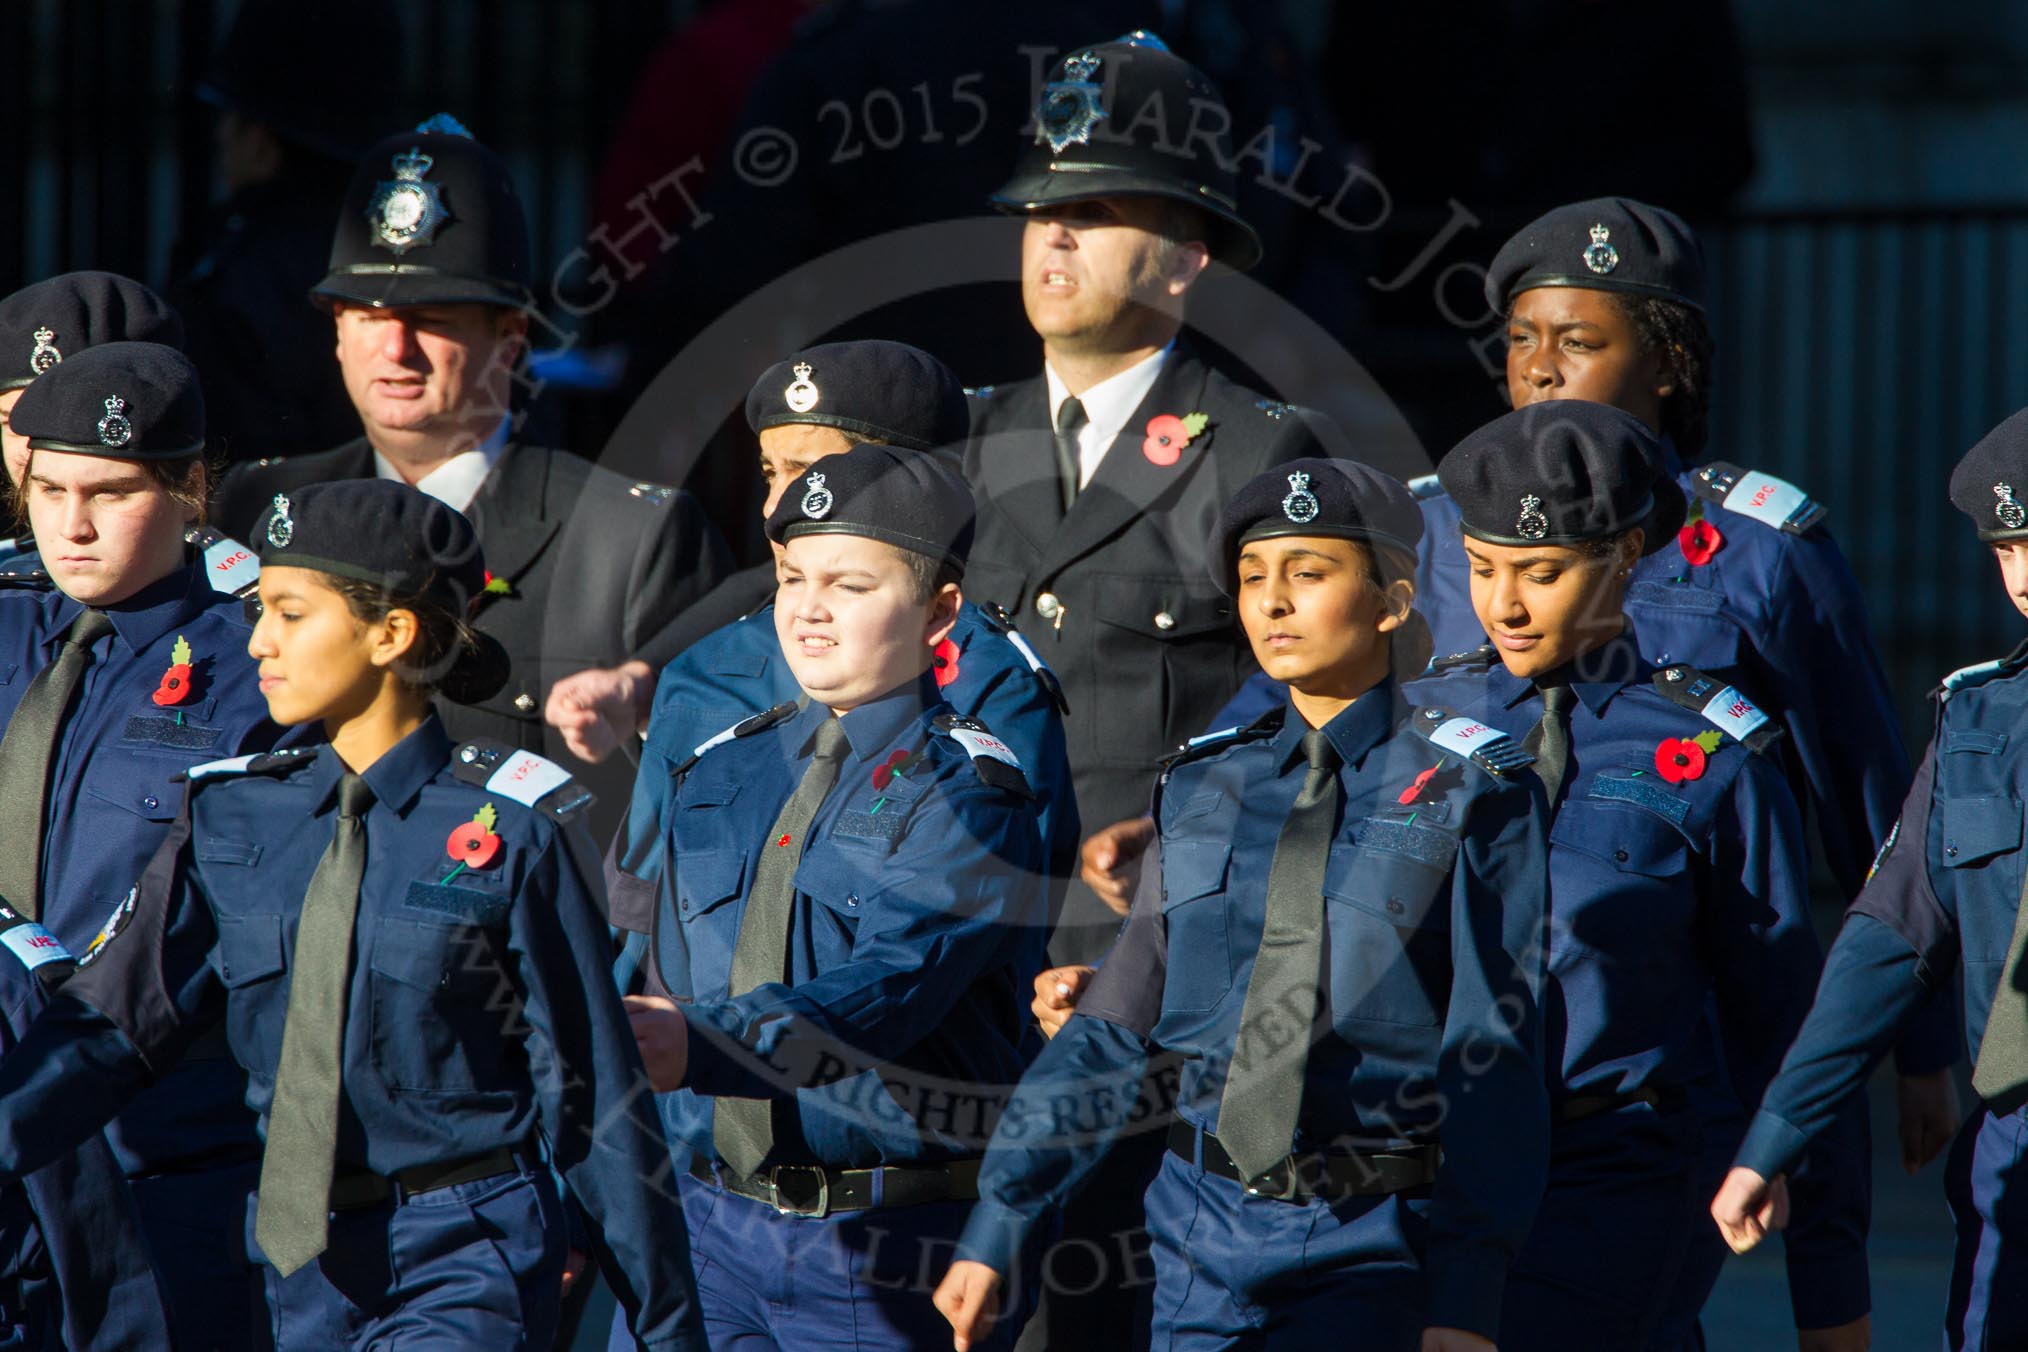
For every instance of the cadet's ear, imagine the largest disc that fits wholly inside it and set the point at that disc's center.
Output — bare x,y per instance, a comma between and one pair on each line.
397,633
943,614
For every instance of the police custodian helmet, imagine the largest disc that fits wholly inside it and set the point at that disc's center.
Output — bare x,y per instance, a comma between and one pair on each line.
431,218
1120,120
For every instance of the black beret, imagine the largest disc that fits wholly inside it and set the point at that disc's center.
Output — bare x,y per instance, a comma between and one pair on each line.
1990,485
1563,472
1319,496
891,392
1606,244
129,401
1130,118
431,218
40,325
907,499
397,538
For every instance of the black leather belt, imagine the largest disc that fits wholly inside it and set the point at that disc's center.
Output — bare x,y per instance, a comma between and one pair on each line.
1298,1178
815,1190
349,1192
1581,1106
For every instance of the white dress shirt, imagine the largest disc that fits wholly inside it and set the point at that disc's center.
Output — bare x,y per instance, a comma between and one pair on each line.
1107,406
455,482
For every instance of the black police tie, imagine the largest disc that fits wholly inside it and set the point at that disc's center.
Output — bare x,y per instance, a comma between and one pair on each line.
2002,1068
25,754
1549,739
743,1129
1069,461
291,1223
1264,1088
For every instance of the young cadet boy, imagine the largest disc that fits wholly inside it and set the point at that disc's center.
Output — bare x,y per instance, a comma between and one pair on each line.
856,908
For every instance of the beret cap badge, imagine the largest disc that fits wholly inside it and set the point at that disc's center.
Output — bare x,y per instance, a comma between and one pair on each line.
2011,513
817,499
45,354
1301,504
406,210
1600,256
114,429
281,526
1070,107
801,395
1532,525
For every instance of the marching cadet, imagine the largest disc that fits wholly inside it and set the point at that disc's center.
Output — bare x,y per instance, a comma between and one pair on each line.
856,905
42,324
130,666
400,937
428,291
1944,899
74,1270
1678,879
823,401
1344,948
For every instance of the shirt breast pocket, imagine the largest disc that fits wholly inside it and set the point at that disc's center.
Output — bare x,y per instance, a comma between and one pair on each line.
1982,848
1620,881
1388,927
1194,917
443,1005
249,958
707,881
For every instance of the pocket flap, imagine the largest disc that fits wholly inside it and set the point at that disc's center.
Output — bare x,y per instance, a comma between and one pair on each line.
249,948
1397,888
1631,839
149,799
1162,610
706,879
1192,868
1976,829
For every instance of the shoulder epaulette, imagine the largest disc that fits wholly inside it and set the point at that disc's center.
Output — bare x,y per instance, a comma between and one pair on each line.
1719,704
1267,725
1977,674
1004,623
231,566
16,576
992,758
1483,656
1470,739
746,727
1768,500
1274,408
1425,486
262,763
647,492
34,946
522,777
980,391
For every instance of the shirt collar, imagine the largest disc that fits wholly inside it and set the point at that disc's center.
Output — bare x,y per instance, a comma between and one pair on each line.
874,726
1355,730
149,613
1594,677
1108,404
397,777
458,480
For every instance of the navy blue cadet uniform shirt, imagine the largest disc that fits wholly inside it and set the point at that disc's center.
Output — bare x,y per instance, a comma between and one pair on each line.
1433,910
444,963
917,930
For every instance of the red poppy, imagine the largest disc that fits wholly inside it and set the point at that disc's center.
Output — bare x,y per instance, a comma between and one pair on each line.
1414,790
472,844
1167,436
883,773
1699,541
784,841
1678,759
945,663
175,687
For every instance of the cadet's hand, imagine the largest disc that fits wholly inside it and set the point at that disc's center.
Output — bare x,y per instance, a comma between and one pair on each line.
1929,1116
1056,995
663,1035
969,1296
1454,1340
1856,1336
1111,860
1748,1206
598,709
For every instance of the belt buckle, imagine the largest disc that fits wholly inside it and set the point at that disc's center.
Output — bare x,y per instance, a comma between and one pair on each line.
1278,1184
792,1207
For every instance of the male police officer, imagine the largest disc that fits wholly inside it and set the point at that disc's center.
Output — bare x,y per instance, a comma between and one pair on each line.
1099,479
429,290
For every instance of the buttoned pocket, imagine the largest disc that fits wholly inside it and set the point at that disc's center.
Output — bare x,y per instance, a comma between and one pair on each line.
706,880
444,1007
1976,829
1631,838
150,798
1388,931
249,958
1194,914
1982,844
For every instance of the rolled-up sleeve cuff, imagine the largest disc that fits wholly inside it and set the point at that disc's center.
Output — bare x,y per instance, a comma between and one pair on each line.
1825,1292
1465,1285
994,1235
1771,1146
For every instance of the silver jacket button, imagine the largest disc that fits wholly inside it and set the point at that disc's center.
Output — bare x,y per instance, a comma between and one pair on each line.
525,702
1047,606
1164,620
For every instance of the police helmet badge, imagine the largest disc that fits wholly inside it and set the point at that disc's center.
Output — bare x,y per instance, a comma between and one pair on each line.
45,354
1301,504
817,499
1070,107
1600,256
2011,513
1533,525
406,210
114,429
281,526
800,395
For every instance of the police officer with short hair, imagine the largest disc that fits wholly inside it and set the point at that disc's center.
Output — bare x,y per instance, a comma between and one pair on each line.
429,293
400,936
130,665
855,903
1944,904
1344,947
